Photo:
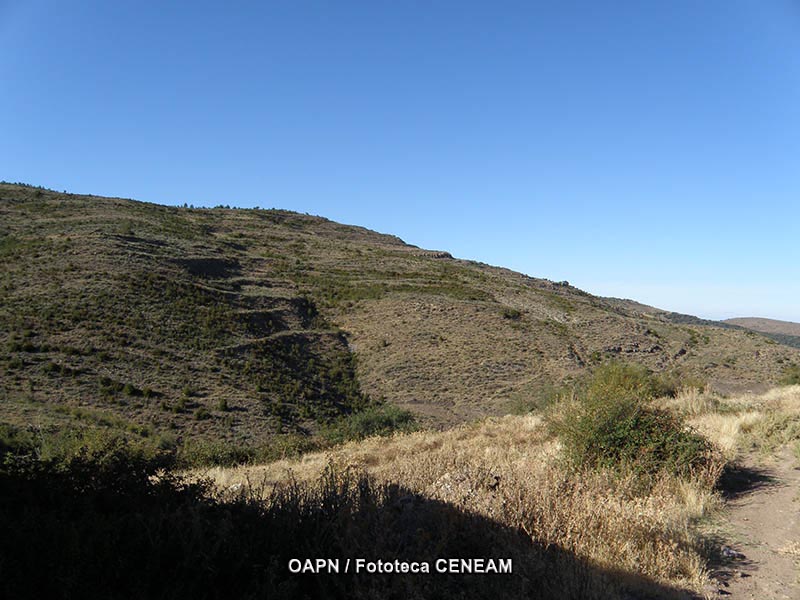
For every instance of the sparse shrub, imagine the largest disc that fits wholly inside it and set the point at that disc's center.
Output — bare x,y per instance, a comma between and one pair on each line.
109,387
130,390
201,414
691,401
511,313
15,440
375,420
52,367
222,405
791,375
623,380
538,400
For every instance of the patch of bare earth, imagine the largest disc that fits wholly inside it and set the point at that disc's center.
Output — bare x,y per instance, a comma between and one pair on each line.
764,526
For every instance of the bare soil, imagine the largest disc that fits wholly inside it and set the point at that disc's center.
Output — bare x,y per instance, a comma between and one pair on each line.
763,523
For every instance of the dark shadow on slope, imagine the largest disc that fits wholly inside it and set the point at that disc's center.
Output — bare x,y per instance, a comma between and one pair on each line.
210,268
115,524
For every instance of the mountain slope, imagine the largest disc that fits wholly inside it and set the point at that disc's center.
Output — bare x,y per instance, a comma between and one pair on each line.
784,332
240,324
767,325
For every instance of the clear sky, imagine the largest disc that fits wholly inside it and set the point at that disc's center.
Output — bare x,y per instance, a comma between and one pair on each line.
646,149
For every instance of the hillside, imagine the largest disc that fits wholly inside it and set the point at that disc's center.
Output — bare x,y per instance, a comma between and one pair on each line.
767,325
785,332
241,324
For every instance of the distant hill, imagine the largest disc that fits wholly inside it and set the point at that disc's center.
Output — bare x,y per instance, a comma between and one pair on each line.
785,332
767,325
240,325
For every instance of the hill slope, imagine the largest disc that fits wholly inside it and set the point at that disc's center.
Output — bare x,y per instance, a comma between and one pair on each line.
784,332
767,325
240,324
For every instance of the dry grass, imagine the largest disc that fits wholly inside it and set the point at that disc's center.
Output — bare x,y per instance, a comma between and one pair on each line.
691,401
509,470
764,422
792,549
725,430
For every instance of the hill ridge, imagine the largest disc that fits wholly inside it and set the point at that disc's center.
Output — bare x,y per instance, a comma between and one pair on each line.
241,324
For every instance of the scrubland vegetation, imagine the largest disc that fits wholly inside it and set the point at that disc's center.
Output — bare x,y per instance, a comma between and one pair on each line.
584,511
258,329
191,397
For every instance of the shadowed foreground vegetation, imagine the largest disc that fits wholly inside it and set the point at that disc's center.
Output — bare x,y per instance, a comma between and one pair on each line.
115,522
105,518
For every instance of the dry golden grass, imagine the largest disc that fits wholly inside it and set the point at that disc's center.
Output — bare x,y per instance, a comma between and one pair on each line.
725,430
792,549
744,422
508,469
691,402
781,399
747,422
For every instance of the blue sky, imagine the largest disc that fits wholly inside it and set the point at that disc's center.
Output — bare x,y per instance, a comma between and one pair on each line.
648,150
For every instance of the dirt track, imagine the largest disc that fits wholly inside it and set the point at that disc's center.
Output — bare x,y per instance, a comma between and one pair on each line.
764,523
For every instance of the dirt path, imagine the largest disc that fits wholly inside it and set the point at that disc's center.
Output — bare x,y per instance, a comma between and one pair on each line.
764,532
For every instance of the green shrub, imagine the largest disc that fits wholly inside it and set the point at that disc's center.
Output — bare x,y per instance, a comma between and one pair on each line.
611,424
199,453
15,440
131,390
285,446
669,384
511,313
623,380
375,420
